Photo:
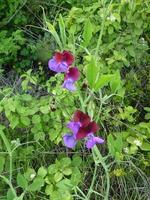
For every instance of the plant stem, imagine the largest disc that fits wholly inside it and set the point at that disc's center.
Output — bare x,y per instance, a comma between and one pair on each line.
8,147
99,159
9,183
92,183
102,29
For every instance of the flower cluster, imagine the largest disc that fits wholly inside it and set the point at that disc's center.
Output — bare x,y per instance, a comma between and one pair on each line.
82,127
61,63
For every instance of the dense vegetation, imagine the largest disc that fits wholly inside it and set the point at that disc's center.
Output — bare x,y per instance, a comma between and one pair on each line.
109,40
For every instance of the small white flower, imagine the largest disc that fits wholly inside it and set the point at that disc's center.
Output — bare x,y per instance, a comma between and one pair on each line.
126,150
142,39
15,142
32,176
137,142
112,18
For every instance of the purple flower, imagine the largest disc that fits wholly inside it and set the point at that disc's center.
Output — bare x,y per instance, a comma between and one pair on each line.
69,85
69,140
61,61
71,77
82,127
92,140
74,126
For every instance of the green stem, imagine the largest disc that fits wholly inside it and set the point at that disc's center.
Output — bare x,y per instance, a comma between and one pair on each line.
8,147
9,183
99,159
102,29
92,183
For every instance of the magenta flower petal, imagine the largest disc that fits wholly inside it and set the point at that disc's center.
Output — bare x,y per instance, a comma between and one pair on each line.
69,85
68,57
81,117
92,127
72,73
74,127
91,141
69,141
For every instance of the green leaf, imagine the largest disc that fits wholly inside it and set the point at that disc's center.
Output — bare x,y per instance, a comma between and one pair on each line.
65,184
20,197
2,163
14,121
92,72
52,169
25,120
42,172
76,161
76,176
49,189
45,109
145,146
65,162
21,181
58,176
30,174
87,33
39,135
10,195
115,82
38,182
52,30
62,30
67,171
147,116
36,119
103,81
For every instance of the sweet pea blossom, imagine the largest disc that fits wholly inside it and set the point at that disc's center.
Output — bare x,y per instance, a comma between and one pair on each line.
82,127
71,77
61,61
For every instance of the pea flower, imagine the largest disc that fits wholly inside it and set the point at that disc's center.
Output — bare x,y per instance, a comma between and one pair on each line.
61,61
82,127
71,77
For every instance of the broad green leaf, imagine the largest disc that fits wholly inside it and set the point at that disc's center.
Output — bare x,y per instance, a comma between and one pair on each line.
45,109
42,172
103,81
10,195
21,181
14,121
36,119
52,169
67,171
38,182
111,144
119,143
30,174
49,189
92,72
65,184
87,33
76,161
115,82
147,116
145,146
65,162
25,120
58,176
75,176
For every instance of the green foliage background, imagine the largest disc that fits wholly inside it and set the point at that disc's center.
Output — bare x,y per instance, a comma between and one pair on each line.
110,41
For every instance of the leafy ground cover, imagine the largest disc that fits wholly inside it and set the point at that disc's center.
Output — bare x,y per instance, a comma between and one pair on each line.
74,100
